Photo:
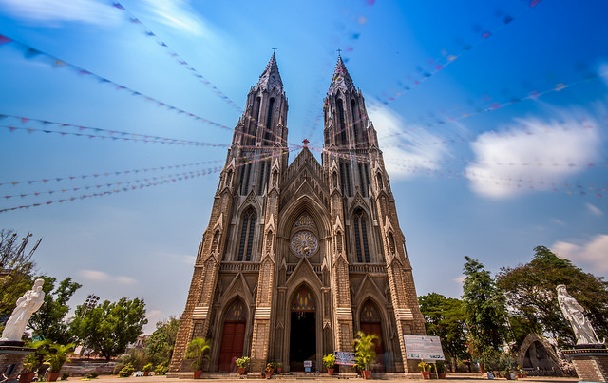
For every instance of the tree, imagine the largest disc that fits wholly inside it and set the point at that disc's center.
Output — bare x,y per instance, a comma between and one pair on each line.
49,321
198,349
531,295
159,346
108,328
484,307
445,318
16,270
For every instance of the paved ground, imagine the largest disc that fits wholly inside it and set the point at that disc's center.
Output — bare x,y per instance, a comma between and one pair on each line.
321,378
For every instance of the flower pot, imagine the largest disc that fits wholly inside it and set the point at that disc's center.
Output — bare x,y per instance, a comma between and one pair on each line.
197,374
330,371
26,377
53,376
426,374
268,375
441,375
367,374
241,370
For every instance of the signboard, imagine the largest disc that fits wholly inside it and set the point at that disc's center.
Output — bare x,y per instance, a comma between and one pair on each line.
307,365
425,347
344,358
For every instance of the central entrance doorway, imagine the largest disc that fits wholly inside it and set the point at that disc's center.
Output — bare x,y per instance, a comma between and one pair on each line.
233,337
303,339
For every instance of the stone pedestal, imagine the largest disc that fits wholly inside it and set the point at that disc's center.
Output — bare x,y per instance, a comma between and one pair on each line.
12,354
590,361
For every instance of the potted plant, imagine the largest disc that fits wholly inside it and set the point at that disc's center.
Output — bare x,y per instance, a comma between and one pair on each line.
425,369
29,368
269,370
329,362
279,368
198,350
441,369
56,357
147,369
242,363
365,352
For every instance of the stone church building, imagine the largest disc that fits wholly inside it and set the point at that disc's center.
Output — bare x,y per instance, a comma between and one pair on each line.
299,257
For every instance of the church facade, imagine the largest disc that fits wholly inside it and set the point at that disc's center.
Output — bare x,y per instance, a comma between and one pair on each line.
297,258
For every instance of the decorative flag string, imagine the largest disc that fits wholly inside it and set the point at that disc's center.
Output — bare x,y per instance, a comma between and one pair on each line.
115,187
437,65
108,173
30,53
532,95
183,63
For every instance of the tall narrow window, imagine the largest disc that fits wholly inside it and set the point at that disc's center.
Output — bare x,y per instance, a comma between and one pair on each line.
241,177
355,120
245,185
341,122
246,238
261,178
362,183
361,241
348,181
268,130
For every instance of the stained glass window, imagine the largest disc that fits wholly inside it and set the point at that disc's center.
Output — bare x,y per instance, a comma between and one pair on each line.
303,301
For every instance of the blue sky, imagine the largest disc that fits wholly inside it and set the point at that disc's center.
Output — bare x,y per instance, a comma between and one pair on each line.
491,115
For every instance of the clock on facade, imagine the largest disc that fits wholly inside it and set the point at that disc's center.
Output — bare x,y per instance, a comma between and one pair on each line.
304,243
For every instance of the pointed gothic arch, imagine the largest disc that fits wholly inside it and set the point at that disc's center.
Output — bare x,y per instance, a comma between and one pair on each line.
232,343
371,322
246,239
361,235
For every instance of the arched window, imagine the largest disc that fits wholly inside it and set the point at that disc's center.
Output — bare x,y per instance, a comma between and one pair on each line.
268,132
361,242
341,122
247,234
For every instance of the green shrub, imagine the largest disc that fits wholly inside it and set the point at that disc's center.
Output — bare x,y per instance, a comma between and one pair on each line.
127,370
161,369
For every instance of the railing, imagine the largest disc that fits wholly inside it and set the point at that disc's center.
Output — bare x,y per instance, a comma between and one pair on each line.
239,266
367,268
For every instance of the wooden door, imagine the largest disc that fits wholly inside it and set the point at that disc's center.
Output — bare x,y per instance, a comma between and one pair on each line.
231,346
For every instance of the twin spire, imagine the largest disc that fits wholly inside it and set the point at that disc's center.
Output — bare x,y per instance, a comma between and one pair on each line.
341,79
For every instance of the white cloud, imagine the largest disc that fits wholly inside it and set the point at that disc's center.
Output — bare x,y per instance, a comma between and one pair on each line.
596,211
101,276
178,14
86,11
532,155
408,150
592,254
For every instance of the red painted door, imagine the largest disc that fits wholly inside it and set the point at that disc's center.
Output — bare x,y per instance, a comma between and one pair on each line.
376,329
231,347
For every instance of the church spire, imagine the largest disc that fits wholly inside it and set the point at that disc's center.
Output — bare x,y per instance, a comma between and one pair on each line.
270,78
341,79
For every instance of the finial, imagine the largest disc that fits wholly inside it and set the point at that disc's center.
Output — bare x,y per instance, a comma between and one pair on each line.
306,142
339,50
274,51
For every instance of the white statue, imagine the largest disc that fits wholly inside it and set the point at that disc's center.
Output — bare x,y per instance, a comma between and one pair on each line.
28,304
573,311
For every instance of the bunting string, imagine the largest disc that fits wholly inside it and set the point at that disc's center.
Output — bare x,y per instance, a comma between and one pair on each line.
181,61
30,53
436,65
113,187
109,173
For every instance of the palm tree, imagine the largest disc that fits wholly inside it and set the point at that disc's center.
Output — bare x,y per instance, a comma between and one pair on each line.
365,349
198,349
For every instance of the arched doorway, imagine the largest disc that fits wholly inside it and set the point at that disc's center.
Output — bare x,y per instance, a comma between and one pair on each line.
371,323
303,338
233,336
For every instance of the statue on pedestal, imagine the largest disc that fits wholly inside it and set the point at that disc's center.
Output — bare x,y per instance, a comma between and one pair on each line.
573,311
28,304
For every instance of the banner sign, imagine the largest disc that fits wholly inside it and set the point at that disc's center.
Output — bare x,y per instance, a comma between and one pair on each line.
344,358
425,347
